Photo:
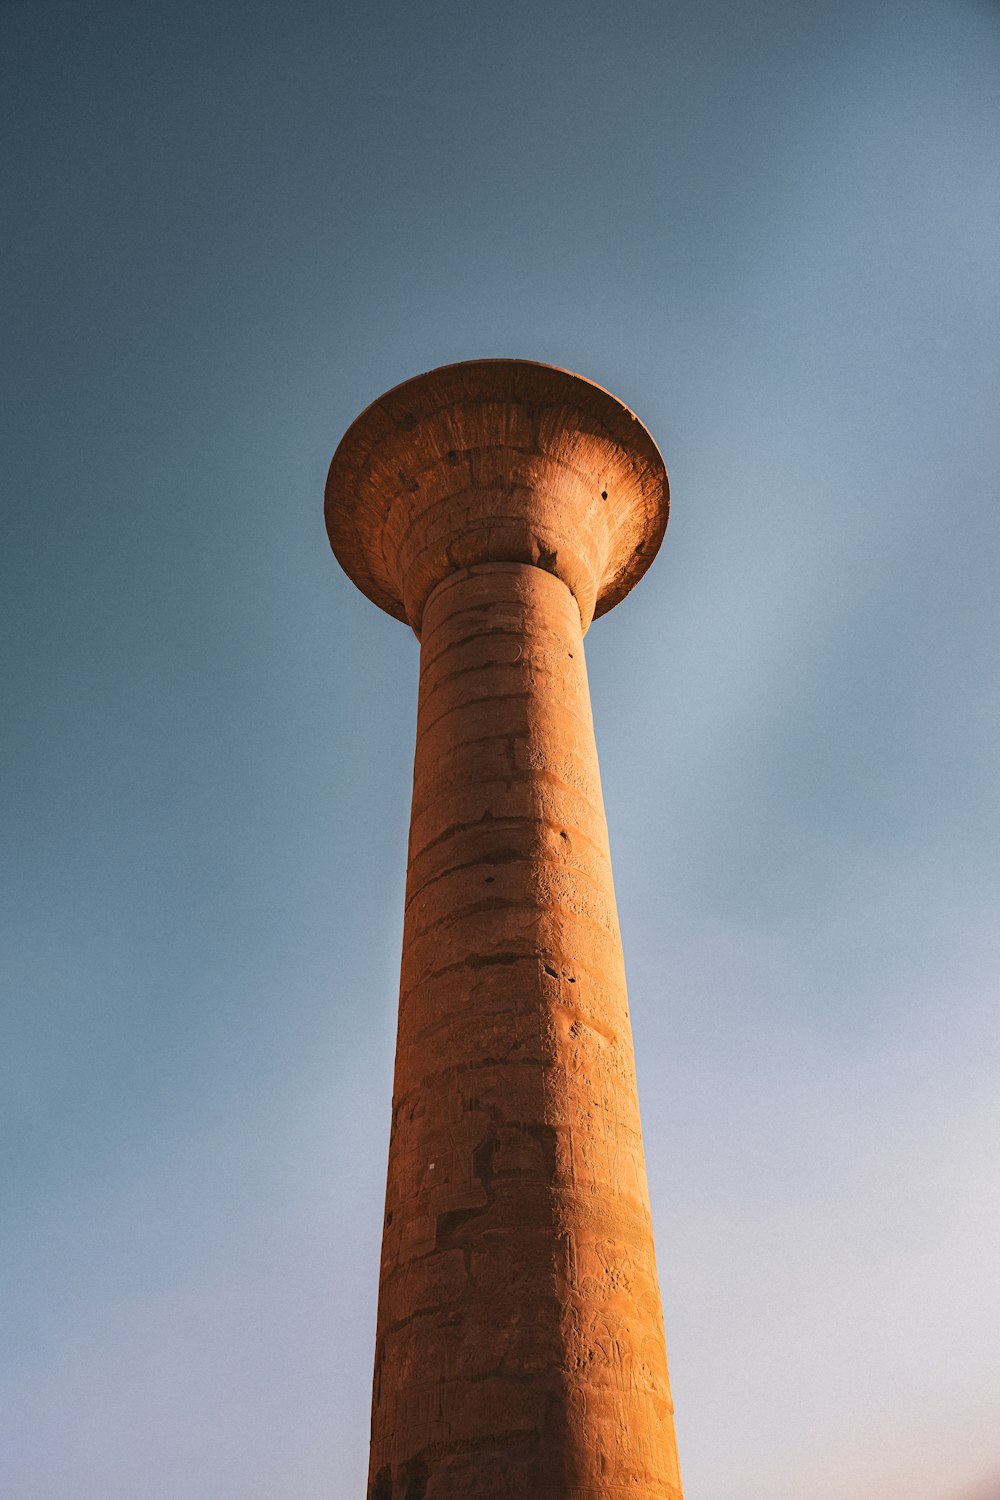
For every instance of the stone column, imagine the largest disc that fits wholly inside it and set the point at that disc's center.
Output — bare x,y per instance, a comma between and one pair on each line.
497,506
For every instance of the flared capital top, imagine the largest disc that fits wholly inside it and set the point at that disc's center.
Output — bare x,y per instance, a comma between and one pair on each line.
496,460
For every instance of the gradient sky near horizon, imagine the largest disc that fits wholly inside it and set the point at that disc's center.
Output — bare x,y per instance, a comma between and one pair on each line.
774,231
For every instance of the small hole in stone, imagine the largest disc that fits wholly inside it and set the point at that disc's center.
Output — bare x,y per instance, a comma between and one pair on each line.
550,971
570,979
604,494
571,656
489,880
563,834
452,456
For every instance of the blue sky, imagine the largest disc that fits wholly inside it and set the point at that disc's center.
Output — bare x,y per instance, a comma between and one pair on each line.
772,230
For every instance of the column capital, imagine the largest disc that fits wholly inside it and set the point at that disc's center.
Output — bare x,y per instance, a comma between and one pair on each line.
496,460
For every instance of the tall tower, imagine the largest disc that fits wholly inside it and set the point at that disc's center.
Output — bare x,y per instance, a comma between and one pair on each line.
497,507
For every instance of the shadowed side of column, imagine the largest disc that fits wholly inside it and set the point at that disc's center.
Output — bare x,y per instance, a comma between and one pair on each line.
520,1348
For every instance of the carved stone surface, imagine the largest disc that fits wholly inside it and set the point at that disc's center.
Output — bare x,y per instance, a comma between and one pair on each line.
520,1348
496,460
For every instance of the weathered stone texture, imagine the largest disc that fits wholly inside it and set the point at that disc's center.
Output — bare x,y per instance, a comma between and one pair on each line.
520,1348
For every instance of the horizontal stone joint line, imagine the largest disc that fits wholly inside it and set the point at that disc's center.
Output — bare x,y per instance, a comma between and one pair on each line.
598,983
472,572
503,903
467,607
477,961
532,618
440,678
511,632
503,1438
470,703
530,775
533,670
457,829
522,735
514,857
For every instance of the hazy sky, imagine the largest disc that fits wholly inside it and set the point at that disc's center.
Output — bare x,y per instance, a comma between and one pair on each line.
773,230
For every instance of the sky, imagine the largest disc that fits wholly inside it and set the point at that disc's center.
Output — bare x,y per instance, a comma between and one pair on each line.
772,230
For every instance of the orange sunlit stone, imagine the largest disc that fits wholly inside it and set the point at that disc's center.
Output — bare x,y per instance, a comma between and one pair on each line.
497,506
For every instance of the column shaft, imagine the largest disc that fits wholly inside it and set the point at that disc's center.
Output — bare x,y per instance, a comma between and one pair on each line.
520,1348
